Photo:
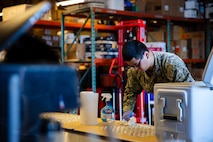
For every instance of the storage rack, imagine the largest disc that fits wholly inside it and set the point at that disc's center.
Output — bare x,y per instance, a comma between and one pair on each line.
118,15
91,15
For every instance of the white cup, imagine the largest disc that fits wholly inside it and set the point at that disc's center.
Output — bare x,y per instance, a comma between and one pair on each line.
89,108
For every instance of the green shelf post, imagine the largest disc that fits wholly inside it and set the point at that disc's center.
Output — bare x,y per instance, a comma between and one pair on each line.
208,38
62,38
93,72
168,35
77,35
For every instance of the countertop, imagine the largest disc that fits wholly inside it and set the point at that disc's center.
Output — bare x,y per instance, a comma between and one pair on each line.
103,131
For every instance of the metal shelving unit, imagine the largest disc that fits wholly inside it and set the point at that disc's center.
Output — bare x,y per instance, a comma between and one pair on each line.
72,25
118,15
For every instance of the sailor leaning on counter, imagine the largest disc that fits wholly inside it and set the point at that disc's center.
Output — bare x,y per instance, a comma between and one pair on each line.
148,68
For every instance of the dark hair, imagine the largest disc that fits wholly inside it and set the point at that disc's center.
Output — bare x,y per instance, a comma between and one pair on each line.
133,48
31,50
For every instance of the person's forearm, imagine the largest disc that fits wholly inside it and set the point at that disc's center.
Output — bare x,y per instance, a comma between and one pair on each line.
129,101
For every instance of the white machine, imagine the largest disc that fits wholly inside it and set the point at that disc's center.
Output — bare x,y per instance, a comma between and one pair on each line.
183,111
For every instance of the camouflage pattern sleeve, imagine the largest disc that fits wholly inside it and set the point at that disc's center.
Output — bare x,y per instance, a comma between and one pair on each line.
132,89
176,71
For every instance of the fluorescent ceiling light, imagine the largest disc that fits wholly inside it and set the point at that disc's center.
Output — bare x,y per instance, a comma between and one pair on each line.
1,14
69,2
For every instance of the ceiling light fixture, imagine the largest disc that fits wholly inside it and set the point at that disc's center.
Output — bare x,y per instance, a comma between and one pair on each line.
69,2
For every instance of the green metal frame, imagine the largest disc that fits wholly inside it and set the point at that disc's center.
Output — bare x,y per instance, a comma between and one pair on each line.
63,54
93,49
208,38
168,35
93,66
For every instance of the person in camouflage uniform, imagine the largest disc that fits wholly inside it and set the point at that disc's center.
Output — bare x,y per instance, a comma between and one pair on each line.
148,68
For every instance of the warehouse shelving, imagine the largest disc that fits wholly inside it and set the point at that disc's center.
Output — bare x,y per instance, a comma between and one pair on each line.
98,61
71,25
118,15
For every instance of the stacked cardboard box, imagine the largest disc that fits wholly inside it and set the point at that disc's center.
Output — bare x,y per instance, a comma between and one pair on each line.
17,10
141,5
181,49
10,12
196,44
188,45
153,36
165,7
156,46
191,9
161,7
177,32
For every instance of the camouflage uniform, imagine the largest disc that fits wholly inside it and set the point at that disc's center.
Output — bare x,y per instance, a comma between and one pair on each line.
168,68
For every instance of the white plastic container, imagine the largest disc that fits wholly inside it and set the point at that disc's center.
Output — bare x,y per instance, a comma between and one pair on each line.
115,4
183,111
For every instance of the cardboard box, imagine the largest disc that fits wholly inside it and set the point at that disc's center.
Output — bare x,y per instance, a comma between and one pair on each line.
141,5
10,12
191,4
156,46
196,44
72,53
177,32
178,8
56,15
158,7
181,49
190,13
17,10
115,4
172,46
166,7
198,50
195,53
156,36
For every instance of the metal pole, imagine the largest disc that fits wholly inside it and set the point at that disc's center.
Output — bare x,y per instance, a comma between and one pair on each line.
93,50
208,38
168,35
62,38
77,35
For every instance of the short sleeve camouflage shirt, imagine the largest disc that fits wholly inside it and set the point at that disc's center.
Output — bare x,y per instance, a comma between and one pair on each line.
168,68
